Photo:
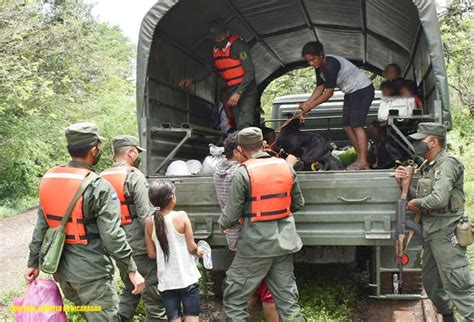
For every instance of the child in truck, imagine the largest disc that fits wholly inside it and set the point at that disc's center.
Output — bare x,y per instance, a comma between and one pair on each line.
377,129
169,239
408,89
392,72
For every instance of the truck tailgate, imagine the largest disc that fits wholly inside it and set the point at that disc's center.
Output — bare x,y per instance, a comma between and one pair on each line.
342,207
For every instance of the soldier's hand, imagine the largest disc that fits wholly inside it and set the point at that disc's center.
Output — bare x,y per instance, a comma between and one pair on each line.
291,160
233,100
185,82
31,274
413,206
138,282
400,174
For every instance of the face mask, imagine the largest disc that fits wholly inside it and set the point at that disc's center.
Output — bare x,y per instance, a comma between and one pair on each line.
97,157
421,148
137,161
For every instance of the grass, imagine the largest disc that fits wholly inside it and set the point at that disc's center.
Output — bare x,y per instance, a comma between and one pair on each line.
9,208
328,292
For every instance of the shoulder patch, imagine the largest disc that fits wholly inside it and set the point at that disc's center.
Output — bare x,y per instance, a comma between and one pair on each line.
437,175
114,196
243,55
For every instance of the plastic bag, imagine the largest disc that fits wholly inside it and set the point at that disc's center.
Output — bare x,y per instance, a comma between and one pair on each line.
210,162
177,168
43,294
194,166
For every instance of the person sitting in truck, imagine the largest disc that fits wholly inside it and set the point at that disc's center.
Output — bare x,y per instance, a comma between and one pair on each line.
393,72
233,63
408,89
335,71
377,128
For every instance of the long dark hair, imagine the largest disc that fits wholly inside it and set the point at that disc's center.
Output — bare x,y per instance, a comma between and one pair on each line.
160,193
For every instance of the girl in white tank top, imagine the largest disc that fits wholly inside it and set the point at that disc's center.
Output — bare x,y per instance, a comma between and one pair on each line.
169,238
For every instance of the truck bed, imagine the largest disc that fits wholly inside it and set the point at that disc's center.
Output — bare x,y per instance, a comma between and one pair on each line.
355,208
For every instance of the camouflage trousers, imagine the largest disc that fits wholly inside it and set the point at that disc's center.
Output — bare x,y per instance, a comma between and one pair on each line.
446,275
154,308
245,275
244,111
101,293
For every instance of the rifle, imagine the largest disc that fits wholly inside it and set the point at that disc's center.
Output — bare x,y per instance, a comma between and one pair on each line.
400,220
415,225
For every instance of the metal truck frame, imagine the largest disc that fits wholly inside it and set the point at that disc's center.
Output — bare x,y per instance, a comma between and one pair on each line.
347,214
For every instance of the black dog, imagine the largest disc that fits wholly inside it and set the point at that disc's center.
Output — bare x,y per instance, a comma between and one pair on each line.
309,147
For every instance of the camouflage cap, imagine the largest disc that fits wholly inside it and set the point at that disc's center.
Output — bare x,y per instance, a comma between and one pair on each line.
81,134
427,129
126,140
217,27
250,136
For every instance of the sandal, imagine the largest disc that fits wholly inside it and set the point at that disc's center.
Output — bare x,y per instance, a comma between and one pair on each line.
207,257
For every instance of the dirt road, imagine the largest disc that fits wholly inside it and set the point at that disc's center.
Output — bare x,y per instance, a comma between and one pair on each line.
15,232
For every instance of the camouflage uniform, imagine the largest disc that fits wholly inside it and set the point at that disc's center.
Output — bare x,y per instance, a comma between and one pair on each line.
85,272
439,192
264,252
136,192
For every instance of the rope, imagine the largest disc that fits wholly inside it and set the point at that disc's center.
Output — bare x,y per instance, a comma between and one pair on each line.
295,115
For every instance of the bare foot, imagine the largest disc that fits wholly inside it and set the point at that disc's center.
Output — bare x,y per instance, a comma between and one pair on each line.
358,166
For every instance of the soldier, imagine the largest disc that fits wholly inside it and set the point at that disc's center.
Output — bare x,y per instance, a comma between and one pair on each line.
93,233
231,56
132,190
440,197
264,194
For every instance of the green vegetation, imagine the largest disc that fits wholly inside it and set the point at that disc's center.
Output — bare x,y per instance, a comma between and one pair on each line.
59,66
327,292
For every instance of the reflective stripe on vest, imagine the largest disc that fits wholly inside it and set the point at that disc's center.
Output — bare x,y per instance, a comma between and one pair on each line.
117,176
57,188
230,69
271,181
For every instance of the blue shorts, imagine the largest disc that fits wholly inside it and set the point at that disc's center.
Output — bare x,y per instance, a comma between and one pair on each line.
188,296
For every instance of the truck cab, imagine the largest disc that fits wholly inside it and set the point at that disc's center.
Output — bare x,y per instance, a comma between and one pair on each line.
348,215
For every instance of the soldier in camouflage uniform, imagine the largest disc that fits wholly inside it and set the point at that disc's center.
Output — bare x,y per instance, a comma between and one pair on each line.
233,62
439,196
265,247
86,270
132,187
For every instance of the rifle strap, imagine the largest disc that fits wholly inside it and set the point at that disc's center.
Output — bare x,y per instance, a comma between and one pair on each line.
412,232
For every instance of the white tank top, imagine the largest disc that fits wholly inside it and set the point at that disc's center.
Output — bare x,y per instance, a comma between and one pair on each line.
350,78
180,271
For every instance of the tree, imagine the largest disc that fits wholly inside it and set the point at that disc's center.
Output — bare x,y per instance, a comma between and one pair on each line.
57,66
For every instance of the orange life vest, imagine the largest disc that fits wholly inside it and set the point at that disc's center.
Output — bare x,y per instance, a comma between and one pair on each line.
230,69
117,176
271,182
57,189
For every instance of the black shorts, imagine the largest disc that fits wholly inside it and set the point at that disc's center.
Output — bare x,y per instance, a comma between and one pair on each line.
356,107
188,297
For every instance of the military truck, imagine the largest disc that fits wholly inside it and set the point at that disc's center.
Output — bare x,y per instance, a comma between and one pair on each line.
349,215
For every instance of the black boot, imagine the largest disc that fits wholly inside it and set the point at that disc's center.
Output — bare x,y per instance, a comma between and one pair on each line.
449,318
